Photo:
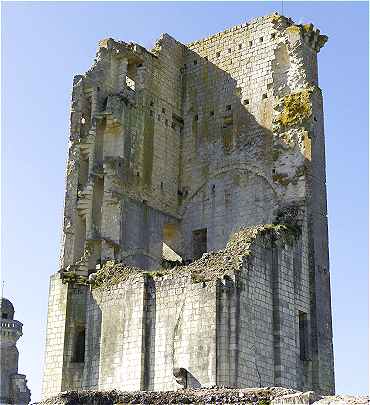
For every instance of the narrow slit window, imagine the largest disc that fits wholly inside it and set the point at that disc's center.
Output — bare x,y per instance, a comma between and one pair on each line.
303,336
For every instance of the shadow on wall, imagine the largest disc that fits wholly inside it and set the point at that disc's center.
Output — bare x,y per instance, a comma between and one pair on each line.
237,172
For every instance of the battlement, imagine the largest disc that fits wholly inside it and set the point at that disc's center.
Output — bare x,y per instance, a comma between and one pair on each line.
13,386
7,326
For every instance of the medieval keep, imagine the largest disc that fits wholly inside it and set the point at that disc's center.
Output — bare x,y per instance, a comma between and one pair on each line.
13,386
195,242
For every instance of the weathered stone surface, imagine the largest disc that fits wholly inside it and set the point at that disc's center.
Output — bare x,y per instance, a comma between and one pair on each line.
195,247
255,396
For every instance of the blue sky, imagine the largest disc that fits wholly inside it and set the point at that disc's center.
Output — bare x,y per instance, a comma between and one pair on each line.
45,44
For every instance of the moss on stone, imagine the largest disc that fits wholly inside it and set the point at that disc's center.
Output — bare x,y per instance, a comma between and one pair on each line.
215,265
294,29
297,108
322,40
307,27
73,277
154,274
281,179
211,266
275,18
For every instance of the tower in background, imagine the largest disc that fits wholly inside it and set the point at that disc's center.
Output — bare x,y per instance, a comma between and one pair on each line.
13,386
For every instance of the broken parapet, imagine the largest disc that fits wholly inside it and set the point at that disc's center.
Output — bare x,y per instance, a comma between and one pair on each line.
177,319
211,266
252,396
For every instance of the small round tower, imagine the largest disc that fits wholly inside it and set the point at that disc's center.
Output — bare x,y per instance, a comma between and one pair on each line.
13,386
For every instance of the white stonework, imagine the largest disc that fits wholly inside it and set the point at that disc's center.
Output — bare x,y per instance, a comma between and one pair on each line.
215,149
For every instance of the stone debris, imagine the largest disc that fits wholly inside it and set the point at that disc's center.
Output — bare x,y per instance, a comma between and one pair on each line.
214,395
210,266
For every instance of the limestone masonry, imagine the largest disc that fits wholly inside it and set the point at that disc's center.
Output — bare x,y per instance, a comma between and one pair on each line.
13,386
195,243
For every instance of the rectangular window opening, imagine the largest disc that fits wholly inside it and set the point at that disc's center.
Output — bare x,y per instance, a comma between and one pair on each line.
79,347
199,243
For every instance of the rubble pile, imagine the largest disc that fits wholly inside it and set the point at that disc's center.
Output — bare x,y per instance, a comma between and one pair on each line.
210,266
215,395
113,273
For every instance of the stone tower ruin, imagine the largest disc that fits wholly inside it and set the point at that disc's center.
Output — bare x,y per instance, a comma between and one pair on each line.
195,242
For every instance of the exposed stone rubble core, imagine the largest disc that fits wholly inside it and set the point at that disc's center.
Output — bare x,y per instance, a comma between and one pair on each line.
211,266
195,247
252,396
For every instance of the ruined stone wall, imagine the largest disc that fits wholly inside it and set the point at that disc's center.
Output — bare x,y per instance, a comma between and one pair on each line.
258,318
222,134
140,330
239,163
54,350
124,146
185,332
227,132
118,316
240,329
219,395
